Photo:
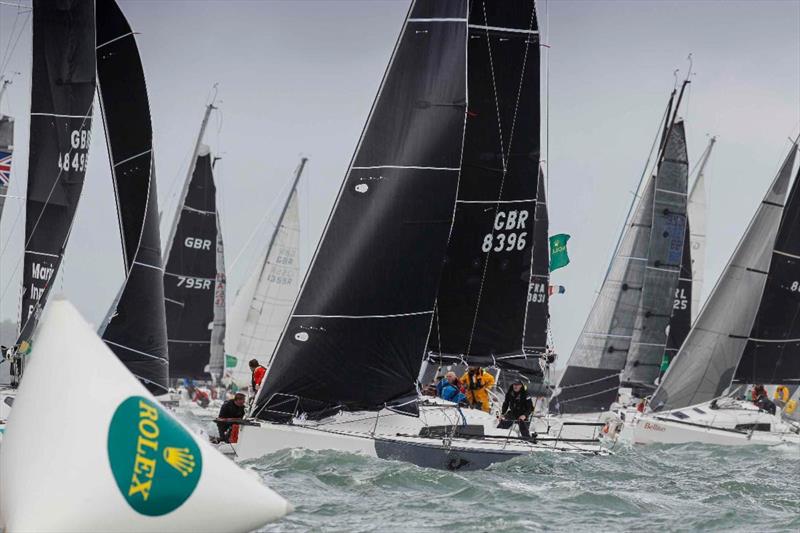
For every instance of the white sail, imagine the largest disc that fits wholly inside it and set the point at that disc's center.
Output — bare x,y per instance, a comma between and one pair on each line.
264,303
697,230
120,461
705,363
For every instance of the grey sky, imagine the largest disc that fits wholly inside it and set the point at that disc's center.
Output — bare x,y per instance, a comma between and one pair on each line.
300,76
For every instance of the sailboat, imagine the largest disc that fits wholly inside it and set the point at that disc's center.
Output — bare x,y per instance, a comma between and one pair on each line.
194,278
413,205
746,333
131,467
135,328
625,335
264,303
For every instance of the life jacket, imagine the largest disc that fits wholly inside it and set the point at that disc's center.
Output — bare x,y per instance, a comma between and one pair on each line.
253,383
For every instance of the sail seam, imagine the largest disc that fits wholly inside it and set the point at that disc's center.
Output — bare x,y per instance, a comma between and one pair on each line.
437,20
41,253
786,254
188,342
500,28
672,192
398,315
496,201
89,115
773,340
132,157
134,350
148,266
99,46
412,167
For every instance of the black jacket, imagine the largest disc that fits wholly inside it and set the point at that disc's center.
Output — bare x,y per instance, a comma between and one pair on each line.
230,410
517,404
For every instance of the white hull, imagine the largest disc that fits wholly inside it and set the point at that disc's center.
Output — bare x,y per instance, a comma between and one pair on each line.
733,423
388,435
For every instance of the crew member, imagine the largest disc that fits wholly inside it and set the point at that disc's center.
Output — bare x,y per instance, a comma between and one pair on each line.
477,383
230,410
448,389
517,408
257,375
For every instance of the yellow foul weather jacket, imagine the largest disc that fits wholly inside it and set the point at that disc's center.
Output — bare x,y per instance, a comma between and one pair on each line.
477,390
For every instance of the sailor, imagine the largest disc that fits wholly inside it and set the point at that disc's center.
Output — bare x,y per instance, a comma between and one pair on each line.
257,377
517,407
201,398
761,399
230,410
477,383
448,389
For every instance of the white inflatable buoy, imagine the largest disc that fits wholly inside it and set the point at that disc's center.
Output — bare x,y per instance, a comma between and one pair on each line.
88,448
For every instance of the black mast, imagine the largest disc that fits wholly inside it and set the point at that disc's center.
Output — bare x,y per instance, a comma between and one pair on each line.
136,326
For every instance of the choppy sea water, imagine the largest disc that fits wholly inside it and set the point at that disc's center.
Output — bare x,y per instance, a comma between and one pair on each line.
663,488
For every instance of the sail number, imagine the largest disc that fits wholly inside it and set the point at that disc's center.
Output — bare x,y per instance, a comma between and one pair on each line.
194,283
506,236
76,158
681,301
795,286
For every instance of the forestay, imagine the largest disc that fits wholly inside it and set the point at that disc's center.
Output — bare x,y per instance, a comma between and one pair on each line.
591,380
482,299
136,325
191,275
706,362
357,333
664,256
62,93
264,303
772,353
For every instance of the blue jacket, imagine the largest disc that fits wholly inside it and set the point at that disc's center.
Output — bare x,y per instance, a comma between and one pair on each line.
446,391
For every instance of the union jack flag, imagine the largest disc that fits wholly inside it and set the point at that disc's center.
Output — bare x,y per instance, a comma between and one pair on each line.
5,167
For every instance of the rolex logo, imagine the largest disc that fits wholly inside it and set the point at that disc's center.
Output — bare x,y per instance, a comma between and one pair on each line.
181,459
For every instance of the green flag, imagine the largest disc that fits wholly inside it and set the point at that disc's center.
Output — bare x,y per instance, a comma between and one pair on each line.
230,361
558,251
664,363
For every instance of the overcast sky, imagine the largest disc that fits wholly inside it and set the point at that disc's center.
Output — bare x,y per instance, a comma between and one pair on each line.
298,77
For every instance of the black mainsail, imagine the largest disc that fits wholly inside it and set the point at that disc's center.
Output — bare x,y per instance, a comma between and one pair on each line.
537,318
482,300
136,327
191,274
62,93
357,334
772,353
681,321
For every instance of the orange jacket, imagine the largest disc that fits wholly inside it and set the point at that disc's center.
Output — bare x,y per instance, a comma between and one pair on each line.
477,391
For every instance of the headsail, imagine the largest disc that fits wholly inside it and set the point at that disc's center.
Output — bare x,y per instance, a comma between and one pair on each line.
591,380
265,302
482,299
772,353
190,277
664,255
706,362
136,328
62,94
697,222
357,333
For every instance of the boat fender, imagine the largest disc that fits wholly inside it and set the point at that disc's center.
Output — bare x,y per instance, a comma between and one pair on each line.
791,405
782,393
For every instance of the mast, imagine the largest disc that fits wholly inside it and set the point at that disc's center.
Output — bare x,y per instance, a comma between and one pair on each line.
62,95
185,189
707,359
